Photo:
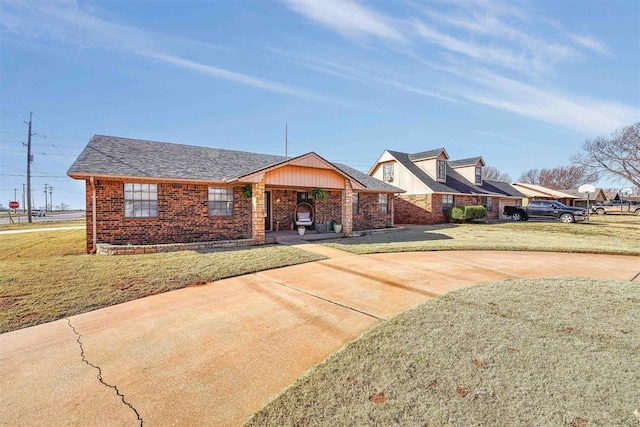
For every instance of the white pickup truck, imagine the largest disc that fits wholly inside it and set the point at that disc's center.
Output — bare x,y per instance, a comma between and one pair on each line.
617,206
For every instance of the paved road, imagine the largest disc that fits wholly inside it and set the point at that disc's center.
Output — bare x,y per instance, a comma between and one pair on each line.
213,354
49,218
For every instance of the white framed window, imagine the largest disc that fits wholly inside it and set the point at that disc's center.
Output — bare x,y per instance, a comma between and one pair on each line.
140,200
447,202
441,172
478,175
387,172
383,203
355,203
221,201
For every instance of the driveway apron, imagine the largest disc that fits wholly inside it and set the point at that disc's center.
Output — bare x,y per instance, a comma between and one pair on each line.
213,354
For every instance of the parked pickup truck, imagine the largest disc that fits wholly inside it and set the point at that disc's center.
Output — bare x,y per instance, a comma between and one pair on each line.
546,209
616,206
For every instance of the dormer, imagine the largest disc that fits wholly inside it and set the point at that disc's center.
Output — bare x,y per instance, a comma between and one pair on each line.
433,162
470,169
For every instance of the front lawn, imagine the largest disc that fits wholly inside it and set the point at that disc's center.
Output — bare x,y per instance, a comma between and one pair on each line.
46,276
604,234
561,352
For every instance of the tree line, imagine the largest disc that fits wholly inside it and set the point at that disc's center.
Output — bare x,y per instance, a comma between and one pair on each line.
616,156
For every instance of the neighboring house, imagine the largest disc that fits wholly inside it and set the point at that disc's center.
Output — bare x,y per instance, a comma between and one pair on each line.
597,197
537,192
148,192
433,184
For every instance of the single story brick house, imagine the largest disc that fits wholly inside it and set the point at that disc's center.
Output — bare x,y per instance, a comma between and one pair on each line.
538,192
433,184
147,192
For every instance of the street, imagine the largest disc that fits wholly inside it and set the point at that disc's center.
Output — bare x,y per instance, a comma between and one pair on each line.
58,216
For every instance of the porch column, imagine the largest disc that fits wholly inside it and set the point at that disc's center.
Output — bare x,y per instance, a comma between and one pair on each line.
257,211
347,211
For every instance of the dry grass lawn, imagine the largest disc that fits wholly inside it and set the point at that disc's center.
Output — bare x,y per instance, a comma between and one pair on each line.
46,276
608,235
560,352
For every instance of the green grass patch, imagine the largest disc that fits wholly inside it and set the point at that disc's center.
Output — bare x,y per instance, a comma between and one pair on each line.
616,237
47,276
560,352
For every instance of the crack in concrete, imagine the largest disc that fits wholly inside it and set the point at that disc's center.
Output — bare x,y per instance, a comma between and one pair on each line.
99,376
321,298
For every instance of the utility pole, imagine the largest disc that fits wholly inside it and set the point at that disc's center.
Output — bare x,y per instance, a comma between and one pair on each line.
29,160
24,208
51,198
286,140
46,205
15,191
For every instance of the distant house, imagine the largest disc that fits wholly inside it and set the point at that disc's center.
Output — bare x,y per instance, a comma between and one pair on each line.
433,184
537,192
597,197
147,192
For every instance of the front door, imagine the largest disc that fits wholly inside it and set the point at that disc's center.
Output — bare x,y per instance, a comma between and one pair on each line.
267,211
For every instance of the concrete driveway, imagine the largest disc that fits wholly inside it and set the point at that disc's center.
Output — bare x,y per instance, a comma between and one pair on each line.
213,354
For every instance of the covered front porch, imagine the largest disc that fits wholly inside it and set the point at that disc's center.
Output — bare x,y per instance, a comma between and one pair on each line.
279,191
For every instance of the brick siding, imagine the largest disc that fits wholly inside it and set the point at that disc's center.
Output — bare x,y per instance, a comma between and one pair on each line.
423,209
182,216
369,215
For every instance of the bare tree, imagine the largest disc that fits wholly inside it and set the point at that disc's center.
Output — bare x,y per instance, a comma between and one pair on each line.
560,178
617,156
532,176
491,173
565,177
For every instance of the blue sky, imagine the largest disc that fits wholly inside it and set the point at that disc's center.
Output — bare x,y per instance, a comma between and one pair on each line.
520,83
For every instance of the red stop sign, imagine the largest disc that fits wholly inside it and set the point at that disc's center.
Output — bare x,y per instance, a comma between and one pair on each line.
14,205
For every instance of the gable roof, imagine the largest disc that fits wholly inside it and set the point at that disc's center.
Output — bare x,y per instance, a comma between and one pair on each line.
454,183
114,156
471,161
502,187
430,154
532,190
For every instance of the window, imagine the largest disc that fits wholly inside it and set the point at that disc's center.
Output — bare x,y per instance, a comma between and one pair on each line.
305,198
447,202
355,203
383,202
478,175
442,169
387,172
220,201
140,200
487,202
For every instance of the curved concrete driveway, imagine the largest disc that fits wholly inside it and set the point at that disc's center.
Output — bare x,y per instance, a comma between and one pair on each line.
213,354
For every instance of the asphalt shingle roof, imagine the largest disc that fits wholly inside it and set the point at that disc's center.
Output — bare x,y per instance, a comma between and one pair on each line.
502,187
126,157
426,154
454,184
471,161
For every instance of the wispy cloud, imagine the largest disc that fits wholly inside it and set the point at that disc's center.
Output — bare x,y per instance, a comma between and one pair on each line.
495,34
586,115
362,76
348,18
65,21
592,44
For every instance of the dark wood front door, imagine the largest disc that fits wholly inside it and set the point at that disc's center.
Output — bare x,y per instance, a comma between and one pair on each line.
267,211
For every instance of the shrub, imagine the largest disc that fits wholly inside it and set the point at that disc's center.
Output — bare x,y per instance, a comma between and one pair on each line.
467,213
